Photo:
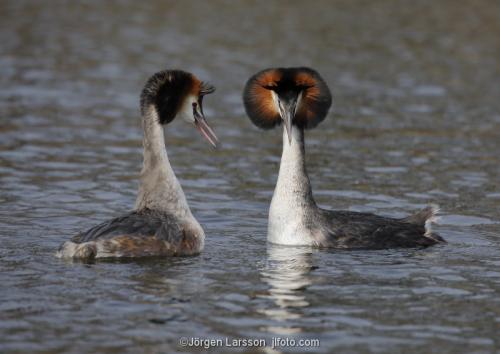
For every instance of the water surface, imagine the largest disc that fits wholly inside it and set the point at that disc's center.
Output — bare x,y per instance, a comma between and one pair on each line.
415,120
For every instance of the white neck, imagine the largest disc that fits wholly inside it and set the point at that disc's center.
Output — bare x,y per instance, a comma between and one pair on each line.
292,203
293,183
159,189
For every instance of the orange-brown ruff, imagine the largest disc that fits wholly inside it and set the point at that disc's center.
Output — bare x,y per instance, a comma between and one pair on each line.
162,223
260,107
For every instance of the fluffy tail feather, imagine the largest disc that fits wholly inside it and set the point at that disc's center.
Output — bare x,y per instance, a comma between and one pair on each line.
426,217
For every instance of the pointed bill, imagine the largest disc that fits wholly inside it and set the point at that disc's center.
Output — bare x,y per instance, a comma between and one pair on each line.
287,108
288,124
206,131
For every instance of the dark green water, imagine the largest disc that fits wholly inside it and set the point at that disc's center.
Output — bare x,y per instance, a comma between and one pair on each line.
416,119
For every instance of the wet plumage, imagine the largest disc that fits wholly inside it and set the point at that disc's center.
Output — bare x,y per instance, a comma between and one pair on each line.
138,234
348,229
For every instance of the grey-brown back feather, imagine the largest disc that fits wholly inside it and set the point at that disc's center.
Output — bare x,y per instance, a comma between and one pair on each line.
365,230
144,223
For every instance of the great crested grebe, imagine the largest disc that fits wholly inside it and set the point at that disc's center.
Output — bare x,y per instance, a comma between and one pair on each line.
300,99
162,223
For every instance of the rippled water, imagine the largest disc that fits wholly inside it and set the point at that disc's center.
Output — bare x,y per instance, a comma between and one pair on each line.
416,120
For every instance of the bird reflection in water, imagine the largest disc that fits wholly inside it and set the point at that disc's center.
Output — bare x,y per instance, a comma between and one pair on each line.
287,272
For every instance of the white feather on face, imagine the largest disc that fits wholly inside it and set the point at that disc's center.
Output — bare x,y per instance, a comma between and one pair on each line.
280,109
299,102
186,110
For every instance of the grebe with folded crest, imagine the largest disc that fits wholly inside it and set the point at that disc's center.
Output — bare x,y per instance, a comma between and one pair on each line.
300,99
162,223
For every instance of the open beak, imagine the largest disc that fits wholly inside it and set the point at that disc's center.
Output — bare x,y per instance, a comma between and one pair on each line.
201,124
287,107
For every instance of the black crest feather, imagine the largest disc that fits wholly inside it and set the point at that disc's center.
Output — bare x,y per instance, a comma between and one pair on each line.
166,90
206,88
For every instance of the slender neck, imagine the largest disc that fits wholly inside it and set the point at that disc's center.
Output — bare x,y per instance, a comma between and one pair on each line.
293,183
159,189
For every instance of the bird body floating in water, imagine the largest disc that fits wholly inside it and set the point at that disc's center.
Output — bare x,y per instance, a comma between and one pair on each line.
300,99
161,223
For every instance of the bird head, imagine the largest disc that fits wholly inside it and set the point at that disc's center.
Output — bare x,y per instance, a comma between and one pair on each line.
176,93
292,96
